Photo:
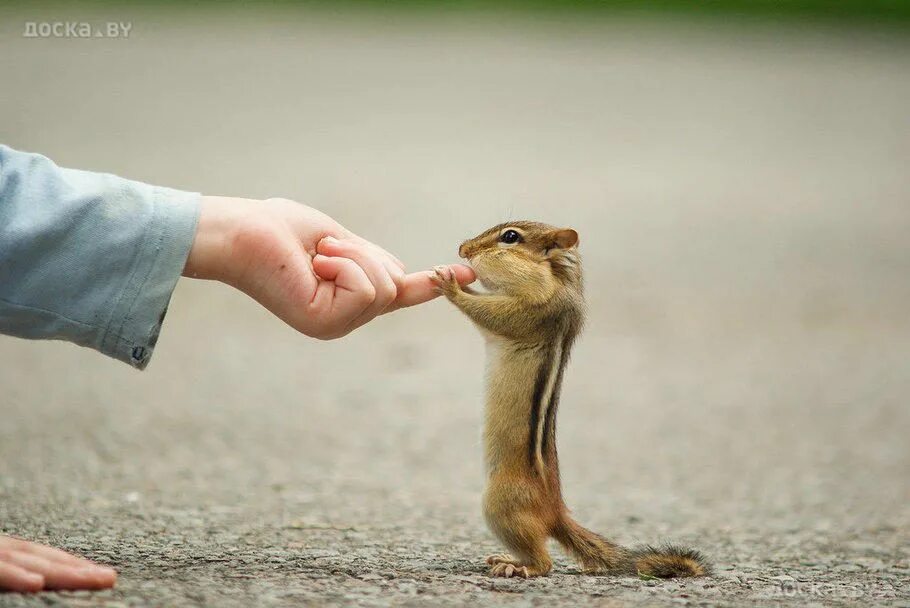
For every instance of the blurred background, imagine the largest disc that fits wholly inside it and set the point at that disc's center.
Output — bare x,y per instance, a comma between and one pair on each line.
737,171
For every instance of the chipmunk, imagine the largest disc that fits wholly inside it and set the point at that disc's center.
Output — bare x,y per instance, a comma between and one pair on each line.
530,318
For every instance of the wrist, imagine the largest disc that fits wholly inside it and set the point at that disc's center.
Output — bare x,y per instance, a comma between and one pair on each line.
218,217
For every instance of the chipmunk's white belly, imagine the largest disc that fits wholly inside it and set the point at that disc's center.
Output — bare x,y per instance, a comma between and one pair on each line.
511,375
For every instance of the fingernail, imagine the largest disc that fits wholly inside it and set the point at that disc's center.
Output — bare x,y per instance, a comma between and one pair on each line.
330,239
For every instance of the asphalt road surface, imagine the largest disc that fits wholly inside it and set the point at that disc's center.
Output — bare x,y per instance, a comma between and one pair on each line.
743,200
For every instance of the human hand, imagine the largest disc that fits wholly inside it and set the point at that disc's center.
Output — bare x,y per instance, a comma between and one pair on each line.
27,567
303,266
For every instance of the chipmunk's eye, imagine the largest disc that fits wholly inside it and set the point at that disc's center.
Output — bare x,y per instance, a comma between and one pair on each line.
510,237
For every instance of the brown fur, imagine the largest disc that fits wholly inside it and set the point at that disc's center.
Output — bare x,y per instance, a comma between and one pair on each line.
530,318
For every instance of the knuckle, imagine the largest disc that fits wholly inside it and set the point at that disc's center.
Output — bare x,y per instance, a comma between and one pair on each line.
398,281
367,294
388,293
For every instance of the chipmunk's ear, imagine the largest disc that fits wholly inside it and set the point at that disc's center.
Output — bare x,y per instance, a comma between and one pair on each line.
565,238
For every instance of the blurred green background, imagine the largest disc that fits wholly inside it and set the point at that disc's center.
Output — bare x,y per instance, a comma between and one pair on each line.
892,12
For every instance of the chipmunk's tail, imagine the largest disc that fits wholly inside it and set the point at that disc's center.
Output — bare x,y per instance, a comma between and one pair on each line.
597,554
668,561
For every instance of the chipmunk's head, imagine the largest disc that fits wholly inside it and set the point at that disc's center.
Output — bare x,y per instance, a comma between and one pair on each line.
525,257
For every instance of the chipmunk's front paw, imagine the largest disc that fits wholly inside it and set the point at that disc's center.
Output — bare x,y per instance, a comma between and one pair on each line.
444,279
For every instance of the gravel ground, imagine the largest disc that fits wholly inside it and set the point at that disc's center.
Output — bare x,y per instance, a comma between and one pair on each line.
743,202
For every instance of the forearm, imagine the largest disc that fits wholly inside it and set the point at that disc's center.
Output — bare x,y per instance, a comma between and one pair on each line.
87,257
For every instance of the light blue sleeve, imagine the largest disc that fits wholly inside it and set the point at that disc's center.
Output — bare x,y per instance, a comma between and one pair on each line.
89,257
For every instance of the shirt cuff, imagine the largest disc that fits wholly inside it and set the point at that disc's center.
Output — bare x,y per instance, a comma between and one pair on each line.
139,311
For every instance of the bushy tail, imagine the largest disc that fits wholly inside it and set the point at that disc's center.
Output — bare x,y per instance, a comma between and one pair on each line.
593,551
668,561
597,554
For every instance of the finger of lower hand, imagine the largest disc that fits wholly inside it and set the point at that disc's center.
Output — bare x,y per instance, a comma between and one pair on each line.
59,575
419,287
51,553
17,578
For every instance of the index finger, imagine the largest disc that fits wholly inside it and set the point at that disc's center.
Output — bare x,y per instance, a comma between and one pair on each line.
418,287
379,249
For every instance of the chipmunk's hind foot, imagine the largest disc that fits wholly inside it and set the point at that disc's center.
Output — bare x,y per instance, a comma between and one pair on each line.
506,570
505,566
670,561
501,558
